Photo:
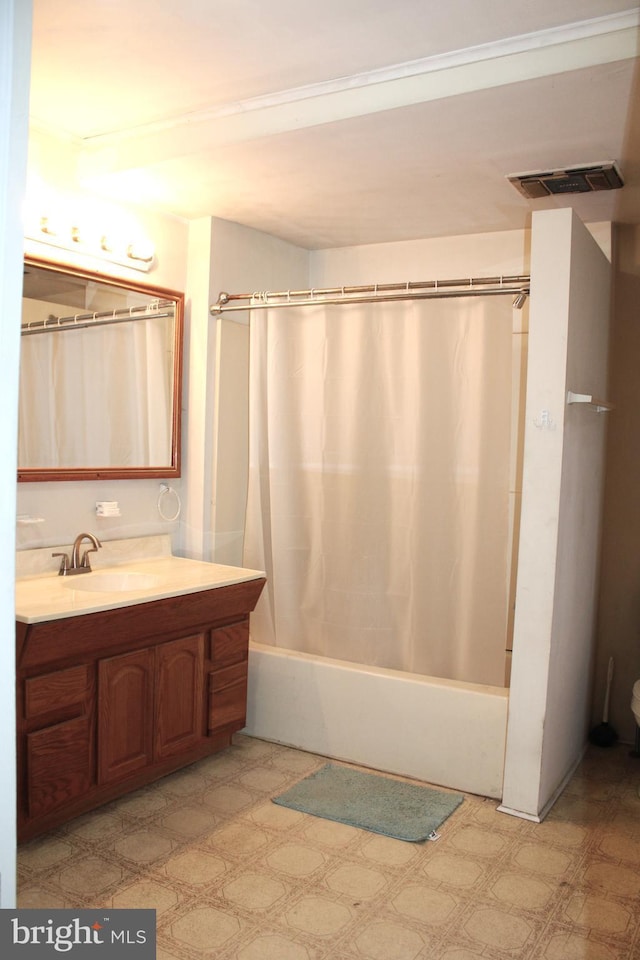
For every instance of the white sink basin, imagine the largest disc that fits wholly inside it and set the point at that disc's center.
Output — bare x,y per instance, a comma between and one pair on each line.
111,582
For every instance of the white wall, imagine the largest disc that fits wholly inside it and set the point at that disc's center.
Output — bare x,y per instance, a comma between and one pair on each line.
239,260
70,508
485,254
195,530
243,260
15,47
561,509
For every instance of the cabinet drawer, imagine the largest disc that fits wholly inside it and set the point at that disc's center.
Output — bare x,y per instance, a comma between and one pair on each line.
59,764
224,678
230,644
228,697
57,691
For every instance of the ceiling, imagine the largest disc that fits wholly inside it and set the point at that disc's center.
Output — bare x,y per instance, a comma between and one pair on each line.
342,123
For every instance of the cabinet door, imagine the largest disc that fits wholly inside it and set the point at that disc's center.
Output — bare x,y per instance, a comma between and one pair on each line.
180,706
125,714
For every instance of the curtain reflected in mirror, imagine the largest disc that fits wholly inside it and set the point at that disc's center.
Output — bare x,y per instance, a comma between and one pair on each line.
100,377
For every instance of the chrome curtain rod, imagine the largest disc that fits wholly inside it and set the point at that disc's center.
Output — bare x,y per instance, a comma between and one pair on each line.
517,286
81,321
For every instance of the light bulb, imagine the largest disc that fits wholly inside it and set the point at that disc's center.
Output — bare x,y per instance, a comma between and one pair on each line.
141,250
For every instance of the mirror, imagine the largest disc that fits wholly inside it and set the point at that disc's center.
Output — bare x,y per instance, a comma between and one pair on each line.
100,377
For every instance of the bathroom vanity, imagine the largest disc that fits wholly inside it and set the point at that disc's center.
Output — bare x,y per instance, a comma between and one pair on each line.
125,678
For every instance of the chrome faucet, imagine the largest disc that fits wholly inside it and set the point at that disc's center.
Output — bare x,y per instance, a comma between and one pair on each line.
77,564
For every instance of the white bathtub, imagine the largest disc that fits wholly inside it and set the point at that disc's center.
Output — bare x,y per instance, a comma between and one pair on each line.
444,732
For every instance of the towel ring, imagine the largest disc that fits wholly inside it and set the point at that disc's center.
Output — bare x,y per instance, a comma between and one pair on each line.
164,490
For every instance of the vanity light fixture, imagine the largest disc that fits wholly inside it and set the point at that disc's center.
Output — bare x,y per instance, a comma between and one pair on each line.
135,254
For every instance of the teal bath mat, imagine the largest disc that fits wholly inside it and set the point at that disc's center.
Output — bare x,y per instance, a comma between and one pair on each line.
405,811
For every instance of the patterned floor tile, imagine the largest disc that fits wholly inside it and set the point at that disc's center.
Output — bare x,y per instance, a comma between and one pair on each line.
234,876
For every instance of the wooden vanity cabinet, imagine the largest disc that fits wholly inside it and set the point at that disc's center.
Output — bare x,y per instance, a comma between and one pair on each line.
112,700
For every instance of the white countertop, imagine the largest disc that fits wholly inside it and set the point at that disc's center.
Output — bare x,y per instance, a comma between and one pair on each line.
51,597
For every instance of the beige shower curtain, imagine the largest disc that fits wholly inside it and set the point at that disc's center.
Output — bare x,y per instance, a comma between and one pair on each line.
96,397
379,483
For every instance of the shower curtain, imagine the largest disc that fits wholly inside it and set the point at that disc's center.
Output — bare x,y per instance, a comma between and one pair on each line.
96,396
378,500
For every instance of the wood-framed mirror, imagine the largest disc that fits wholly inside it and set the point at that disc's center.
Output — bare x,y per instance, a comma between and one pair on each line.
100,376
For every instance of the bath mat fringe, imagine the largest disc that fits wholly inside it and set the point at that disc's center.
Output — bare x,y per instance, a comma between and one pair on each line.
393,808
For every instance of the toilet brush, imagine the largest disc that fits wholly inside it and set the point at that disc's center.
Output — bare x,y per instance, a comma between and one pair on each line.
603,735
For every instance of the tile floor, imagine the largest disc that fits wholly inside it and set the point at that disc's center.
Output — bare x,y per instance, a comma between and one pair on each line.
235,877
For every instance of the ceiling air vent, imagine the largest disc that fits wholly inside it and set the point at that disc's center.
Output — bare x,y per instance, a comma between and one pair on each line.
584,179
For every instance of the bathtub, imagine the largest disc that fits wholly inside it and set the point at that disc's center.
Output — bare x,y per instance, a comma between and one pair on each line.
445,732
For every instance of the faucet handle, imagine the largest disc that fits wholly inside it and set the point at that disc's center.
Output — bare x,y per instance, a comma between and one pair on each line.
64,564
